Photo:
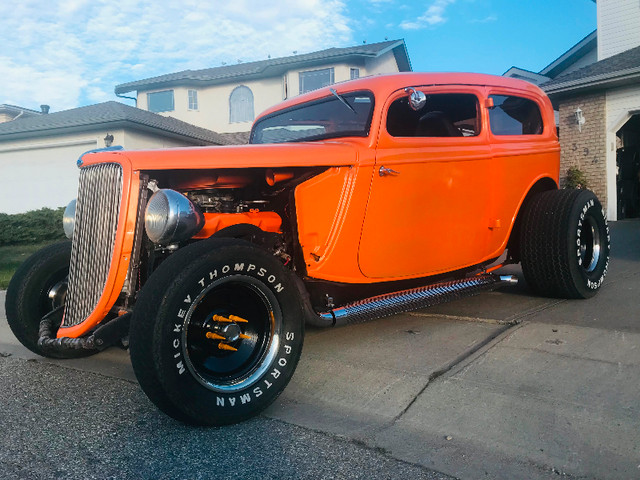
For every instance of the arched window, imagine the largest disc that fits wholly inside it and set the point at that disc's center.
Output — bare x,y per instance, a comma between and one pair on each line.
241,105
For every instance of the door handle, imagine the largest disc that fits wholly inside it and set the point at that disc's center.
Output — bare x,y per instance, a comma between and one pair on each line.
384,171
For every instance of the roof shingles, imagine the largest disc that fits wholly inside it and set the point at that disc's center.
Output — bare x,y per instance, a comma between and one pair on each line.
613,69
106,113
259,68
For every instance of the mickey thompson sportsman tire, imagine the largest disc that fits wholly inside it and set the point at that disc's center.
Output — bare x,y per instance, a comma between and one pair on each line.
565,244
217,332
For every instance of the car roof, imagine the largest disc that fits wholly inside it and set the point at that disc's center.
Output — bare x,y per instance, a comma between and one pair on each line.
384,85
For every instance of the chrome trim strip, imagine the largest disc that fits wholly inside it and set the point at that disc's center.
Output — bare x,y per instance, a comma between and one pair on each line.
414,298
134,265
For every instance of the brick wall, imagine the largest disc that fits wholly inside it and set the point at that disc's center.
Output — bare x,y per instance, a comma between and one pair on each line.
585,149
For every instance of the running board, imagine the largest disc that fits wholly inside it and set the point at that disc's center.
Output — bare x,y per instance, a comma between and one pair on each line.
414,298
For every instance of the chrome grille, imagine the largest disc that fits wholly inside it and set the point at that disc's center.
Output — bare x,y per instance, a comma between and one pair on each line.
97,209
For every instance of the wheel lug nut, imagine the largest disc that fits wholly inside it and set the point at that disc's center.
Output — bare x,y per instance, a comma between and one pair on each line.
224,346
214,336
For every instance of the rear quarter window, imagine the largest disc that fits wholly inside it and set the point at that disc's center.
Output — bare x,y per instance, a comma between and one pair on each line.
511,115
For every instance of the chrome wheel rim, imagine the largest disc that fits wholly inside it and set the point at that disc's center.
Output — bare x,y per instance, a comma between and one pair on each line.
231,334
589,245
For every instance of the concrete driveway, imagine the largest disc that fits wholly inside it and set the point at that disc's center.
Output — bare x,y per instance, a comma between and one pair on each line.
502,385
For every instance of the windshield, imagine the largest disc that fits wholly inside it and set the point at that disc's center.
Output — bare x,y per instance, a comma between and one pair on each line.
325,118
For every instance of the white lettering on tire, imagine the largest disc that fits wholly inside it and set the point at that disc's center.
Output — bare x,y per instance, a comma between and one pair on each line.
598,283
180,367
257,391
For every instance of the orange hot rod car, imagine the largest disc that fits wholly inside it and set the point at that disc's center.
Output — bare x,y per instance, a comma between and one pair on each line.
360,200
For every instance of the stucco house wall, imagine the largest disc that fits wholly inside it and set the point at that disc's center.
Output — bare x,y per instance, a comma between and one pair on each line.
41,173
270,82
36,173
38,155
213,101
213,104
385,63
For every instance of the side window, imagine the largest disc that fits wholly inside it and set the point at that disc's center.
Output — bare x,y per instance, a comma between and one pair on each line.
514,116
160,101
314,79
443,115
193,99
241,105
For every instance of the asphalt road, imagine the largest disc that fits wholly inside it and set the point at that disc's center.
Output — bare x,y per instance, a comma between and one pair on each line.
502,385
62,423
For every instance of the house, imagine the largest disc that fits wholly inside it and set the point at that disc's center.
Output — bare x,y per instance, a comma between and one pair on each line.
583,53
38,153
599,111
39,150
226,99
9,113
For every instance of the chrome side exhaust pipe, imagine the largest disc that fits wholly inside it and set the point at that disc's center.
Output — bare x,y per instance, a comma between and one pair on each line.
414,298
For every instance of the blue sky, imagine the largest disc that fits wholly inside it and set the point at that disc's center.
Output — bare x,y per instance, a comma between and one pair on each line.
73,52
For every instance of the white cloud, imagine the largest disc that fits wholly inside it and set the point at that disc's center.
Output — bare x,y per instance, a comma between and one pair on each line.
434,15
72,52
488,19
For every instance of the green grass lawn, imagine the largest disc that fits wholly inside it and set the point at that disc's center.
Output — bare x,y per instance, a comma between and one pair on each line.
12,256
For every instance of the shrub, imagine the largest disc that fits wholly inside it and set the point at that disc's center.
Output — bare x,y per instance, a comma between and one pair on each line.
576,178
36,226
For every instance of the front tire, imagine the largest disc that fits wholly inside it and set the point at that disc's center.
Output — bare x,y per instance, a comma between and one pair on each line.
217,332
565,244
37,288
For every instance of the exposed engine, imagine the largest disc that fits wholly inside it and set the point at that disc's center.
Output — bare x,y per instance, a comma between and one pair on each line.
225,201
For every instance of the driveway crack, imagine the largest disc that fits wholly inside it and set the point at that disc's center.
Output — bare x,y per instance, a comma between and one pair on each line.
453,363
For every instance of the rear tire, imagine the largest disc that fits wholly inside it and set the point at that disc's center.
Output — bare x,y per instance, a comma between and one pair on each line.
181,362
565,244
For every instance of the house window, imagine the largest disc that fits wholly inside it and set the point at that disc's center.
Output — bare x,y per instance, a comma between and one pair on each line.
514,116
193,99
314,79
355,73
160,101
241,105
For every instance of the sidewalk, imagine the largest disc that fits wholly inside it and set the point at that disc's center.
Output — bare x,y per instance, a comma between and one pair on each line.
502,385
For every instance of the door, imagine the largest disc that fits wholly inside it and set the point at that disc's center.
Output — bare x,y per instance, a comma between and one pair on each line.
429,210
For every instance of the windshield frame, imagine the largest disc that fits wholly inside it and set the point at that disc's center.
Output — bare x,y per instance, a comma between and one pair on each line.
323,136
